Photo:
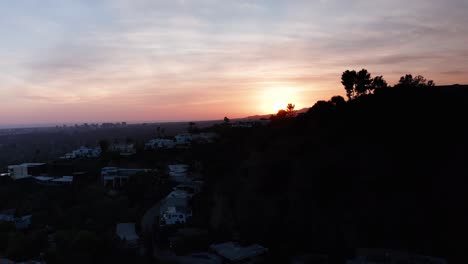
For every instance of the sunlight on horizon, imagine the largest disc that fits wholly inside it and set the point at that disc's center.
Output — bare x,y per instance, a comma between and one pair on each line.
276,98
202,60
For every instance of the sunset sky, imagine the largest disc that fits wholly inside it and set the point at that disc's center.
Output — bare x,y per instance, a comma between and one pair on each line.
147,60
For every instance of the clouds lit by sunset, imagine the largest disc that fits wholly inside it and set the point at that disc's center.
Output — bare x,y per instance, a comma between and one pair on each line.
145,60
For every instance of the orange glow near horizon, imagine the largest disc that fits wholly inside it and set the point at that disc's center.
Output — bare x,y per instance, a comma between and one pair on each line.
275,98
110,61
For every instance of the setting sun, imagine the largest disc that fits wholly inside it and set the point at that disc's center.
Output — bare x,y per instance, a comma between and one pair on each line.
277,98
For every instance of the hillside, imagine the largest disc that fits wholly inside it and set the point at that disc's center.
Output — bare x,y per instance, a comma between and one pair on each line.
386,170
257,117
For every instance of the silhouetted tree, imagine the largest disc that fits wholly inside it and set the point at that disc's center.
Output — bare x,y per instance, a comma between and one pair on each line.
226,120
379,83
363,82
337,100
290,110
281,115
359,83
408,81
348,79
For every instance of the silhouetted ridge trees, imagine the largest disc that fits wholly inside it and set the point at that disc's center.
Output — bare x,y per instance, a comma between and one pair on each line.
359,83
419,81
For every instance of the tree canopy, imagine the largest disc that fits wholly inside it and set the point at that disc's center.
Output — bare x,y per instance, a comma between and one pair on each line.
408,81
359,83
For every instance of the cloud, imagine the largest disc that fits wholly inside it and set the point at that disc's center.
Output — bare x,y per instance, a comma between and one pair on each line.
154,55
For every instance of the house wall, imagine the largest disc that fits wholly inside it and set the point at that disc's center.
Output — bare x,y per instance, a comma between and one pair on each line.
18,172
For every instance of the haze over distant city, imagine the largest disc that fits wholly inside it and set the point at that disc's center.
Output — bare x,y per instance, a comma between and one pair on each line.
144,60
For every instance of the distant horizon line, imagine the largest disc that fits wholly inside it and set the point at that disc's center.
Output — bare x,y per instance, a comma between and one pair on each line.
70,124
46,125
60,124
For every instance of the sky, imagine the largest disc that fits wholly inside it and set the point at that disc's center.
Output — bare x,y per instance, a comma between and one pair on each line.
177,60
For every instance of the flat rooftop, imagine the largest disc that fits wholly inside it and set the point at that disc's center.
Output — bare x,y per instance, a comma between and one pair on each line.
235,252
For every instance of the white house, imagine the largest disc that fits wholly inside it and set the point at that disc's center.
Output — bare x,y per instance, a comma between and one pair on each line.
160,143
51,181
175,215
174,208
117,177
181,194
178,172
25,170
83,152
127,233
173,201
234,253
44,180
123,149
183,139
65,180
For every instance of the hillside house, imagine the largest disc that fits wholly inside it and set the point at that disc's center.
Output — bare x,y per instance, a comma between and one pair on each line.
51,181
117,177
160,143
173,200
175,215
175,209
83,152
234,253
192,187
43,180
123,149
183,139
178,172
26,170
65,180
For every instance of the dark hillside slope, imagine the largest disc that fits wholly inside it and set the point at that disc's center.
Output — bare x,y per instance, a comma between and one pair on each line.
383,170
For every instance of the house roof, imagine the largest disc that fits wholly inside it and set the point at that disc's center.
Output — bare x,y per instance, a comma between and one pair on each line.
43,178
126,231
64,179
173,201
32,164
235,252
179,194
